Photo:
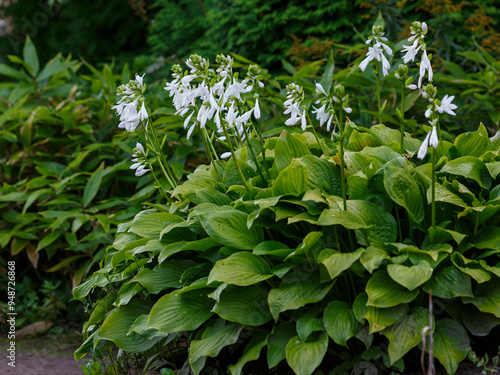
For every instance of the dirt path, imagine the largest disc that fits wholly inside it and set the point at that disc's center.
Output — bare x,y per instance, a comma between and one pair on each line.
40,357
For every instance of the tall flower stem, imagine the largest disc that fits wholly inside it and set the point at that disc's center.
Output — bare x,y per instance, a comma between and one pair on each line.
258,130
162,161
231,148
433,191
314,132
342,172
402,118
378,93
159,186
252,155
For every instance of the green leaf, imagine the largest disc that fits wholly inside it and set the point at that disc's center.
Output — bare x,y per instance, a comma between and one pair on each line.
229,227
449,282
93,185
384,292
291,296
101,310
185,312
470,267
213,340
340,323
168,276
472,143
308,324
150,225
488,238
373,257
48,239
336,262
241,268
406,334
31,57
303,358
322,174
276,343
245,305
326,80
13,73
410,277
251,353
477,322
289,146
487,297
451,344
469,167
116,327
403,189
291,180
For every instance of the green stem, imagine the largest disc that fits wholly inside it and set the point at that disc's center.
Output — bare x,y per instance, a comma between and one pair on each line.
342,172
159,186
258,130
399,225
254,158
433,190
403,118
249,191
378,93
161,158
314,132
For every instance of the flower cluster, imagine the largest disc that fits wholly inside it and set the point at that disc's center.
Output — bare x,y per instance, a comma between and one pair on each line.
326,112
294,105
140,160
377,50
212,95
418,31
131,107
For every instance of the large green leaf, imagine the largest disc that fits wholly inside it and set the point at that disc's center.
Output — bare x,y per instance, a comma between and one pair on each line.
472,143
241,268
229,227
449,282
150,225
384,292
30,57
469,167
308,324
322,174
407,333
487,297
116,327
303,358
373,257
470,267
289,146
336,262
245,305
410,277
340,323
251,353
291,296
92,186
477,322
451,344
291,180
168,276
185,312
276,342
213,340
488,238
404,190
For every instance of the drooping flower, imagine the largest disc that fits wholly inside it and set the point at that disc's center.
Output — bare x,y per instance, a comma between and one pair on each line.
447,106
139,159
293,105
418,31
430,140
377,51
128,106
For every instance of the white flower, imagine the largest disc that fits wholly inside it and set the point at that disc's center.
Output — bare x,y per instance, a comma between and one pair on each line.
303,121
319,88
143,114
256,111
425,64
225,155
430,140
295,113
446,105
141,170
321,115
412,87
411,51
140,160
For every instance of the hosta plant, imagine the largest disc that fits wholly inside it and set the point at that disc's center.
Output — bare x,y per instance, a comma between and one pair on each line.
297,249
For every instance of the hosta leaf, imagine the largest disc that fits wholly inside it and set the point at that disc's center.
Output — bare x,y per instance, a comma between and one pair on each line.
340,323
322,174
251,353
289,146
276,343
229,227
449,283
469,167
168,276
211,195
308,324
291,180
150,225
477,322
303,358
241,268
245,305
347,219
410,277
373,257
406,333
444,195
213,340
470,267
336,262
384,292
116,327
451,344
488,238
472,143
487,297
290,296
186,312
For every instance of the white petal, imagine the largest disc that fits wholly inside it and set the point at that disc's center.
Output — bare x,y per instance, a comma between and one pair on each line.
190,131
256,111
140,147
348,110
320,88
304,122
365,62
412,87
135,165
434,140
423,149
225,155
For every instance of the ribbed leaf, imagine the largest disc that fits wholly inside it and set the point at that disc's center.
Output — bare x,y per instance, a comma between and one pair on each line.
241,269
451,344
340,323
303,358
384,292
